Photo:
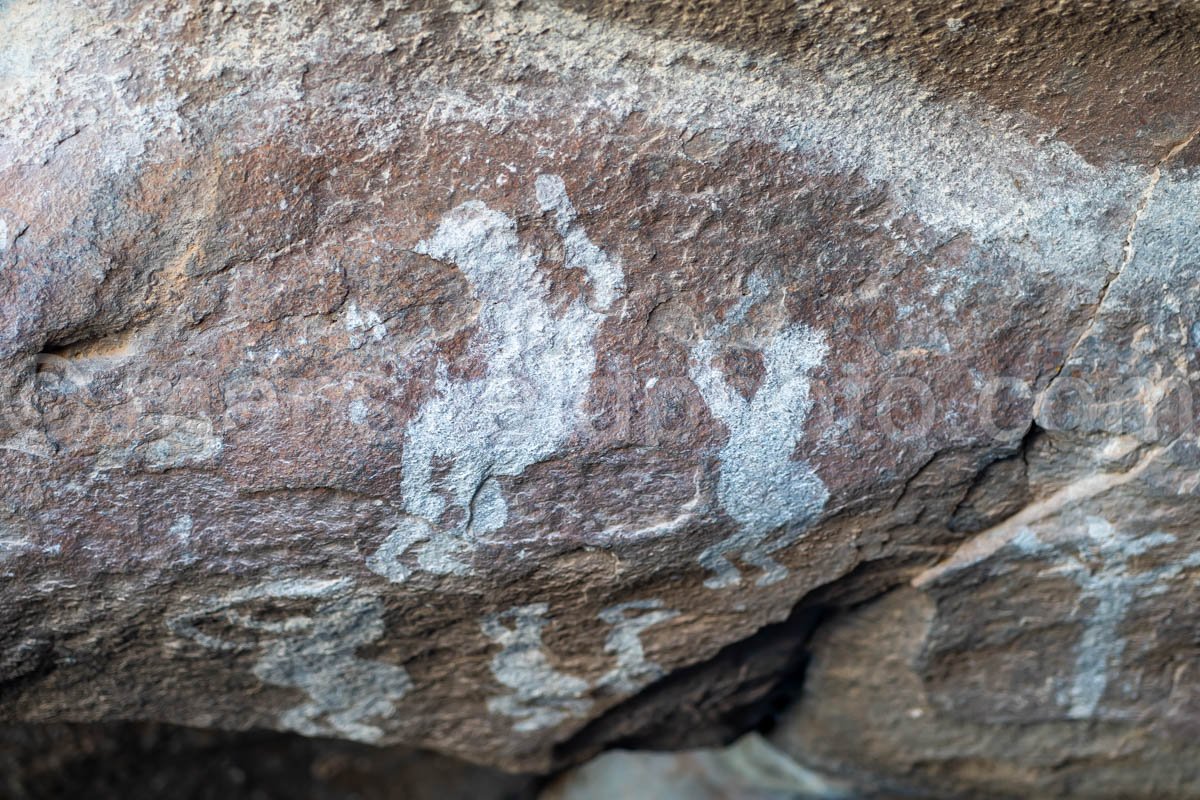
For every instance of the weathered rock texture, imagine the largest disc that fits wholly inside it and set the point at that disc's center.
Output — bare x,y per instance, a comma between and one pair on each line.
448,373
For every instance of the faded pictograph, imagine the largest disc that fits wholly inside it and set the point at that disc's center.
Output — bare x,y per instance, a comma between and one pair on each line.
176,441
543,697
12,228
13,542
364,326
181,531
539,362
1098,559
770,495
624,643
311,646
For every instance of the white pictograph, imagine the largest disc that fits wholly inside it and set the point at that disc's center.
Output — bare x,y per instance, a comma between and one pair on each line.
542,696
539,365
761,485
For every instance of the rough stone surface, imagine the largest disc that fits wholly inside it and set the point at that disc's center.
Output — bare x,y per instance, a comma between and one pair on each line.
884,731
475,375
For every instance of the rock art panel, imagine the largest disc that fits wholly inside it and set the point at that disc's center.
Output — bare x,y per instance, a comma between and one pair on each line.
1082,633
624,643
479,306
1102,569
866,720
542,696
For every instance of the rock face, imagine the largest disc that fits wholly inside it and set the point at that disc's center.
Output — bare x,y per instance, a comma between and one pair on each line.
898,729
476,375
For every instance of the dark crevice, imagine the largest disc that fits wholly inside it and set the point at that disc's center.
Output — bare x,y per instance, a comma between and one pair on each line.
743,688
148,761
748,686
85,342
999,490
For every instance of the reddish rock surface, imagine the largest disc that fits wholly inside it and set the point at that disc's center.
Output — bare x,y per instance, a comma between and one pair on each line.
448,373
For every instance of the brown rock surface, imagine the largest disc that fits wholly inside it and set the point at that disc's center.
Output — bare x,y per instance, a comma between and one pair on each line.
870,717
447,373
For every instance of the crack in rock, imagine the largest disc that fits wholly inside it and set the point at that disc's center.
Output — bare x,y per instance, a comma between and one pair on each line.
1128,250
